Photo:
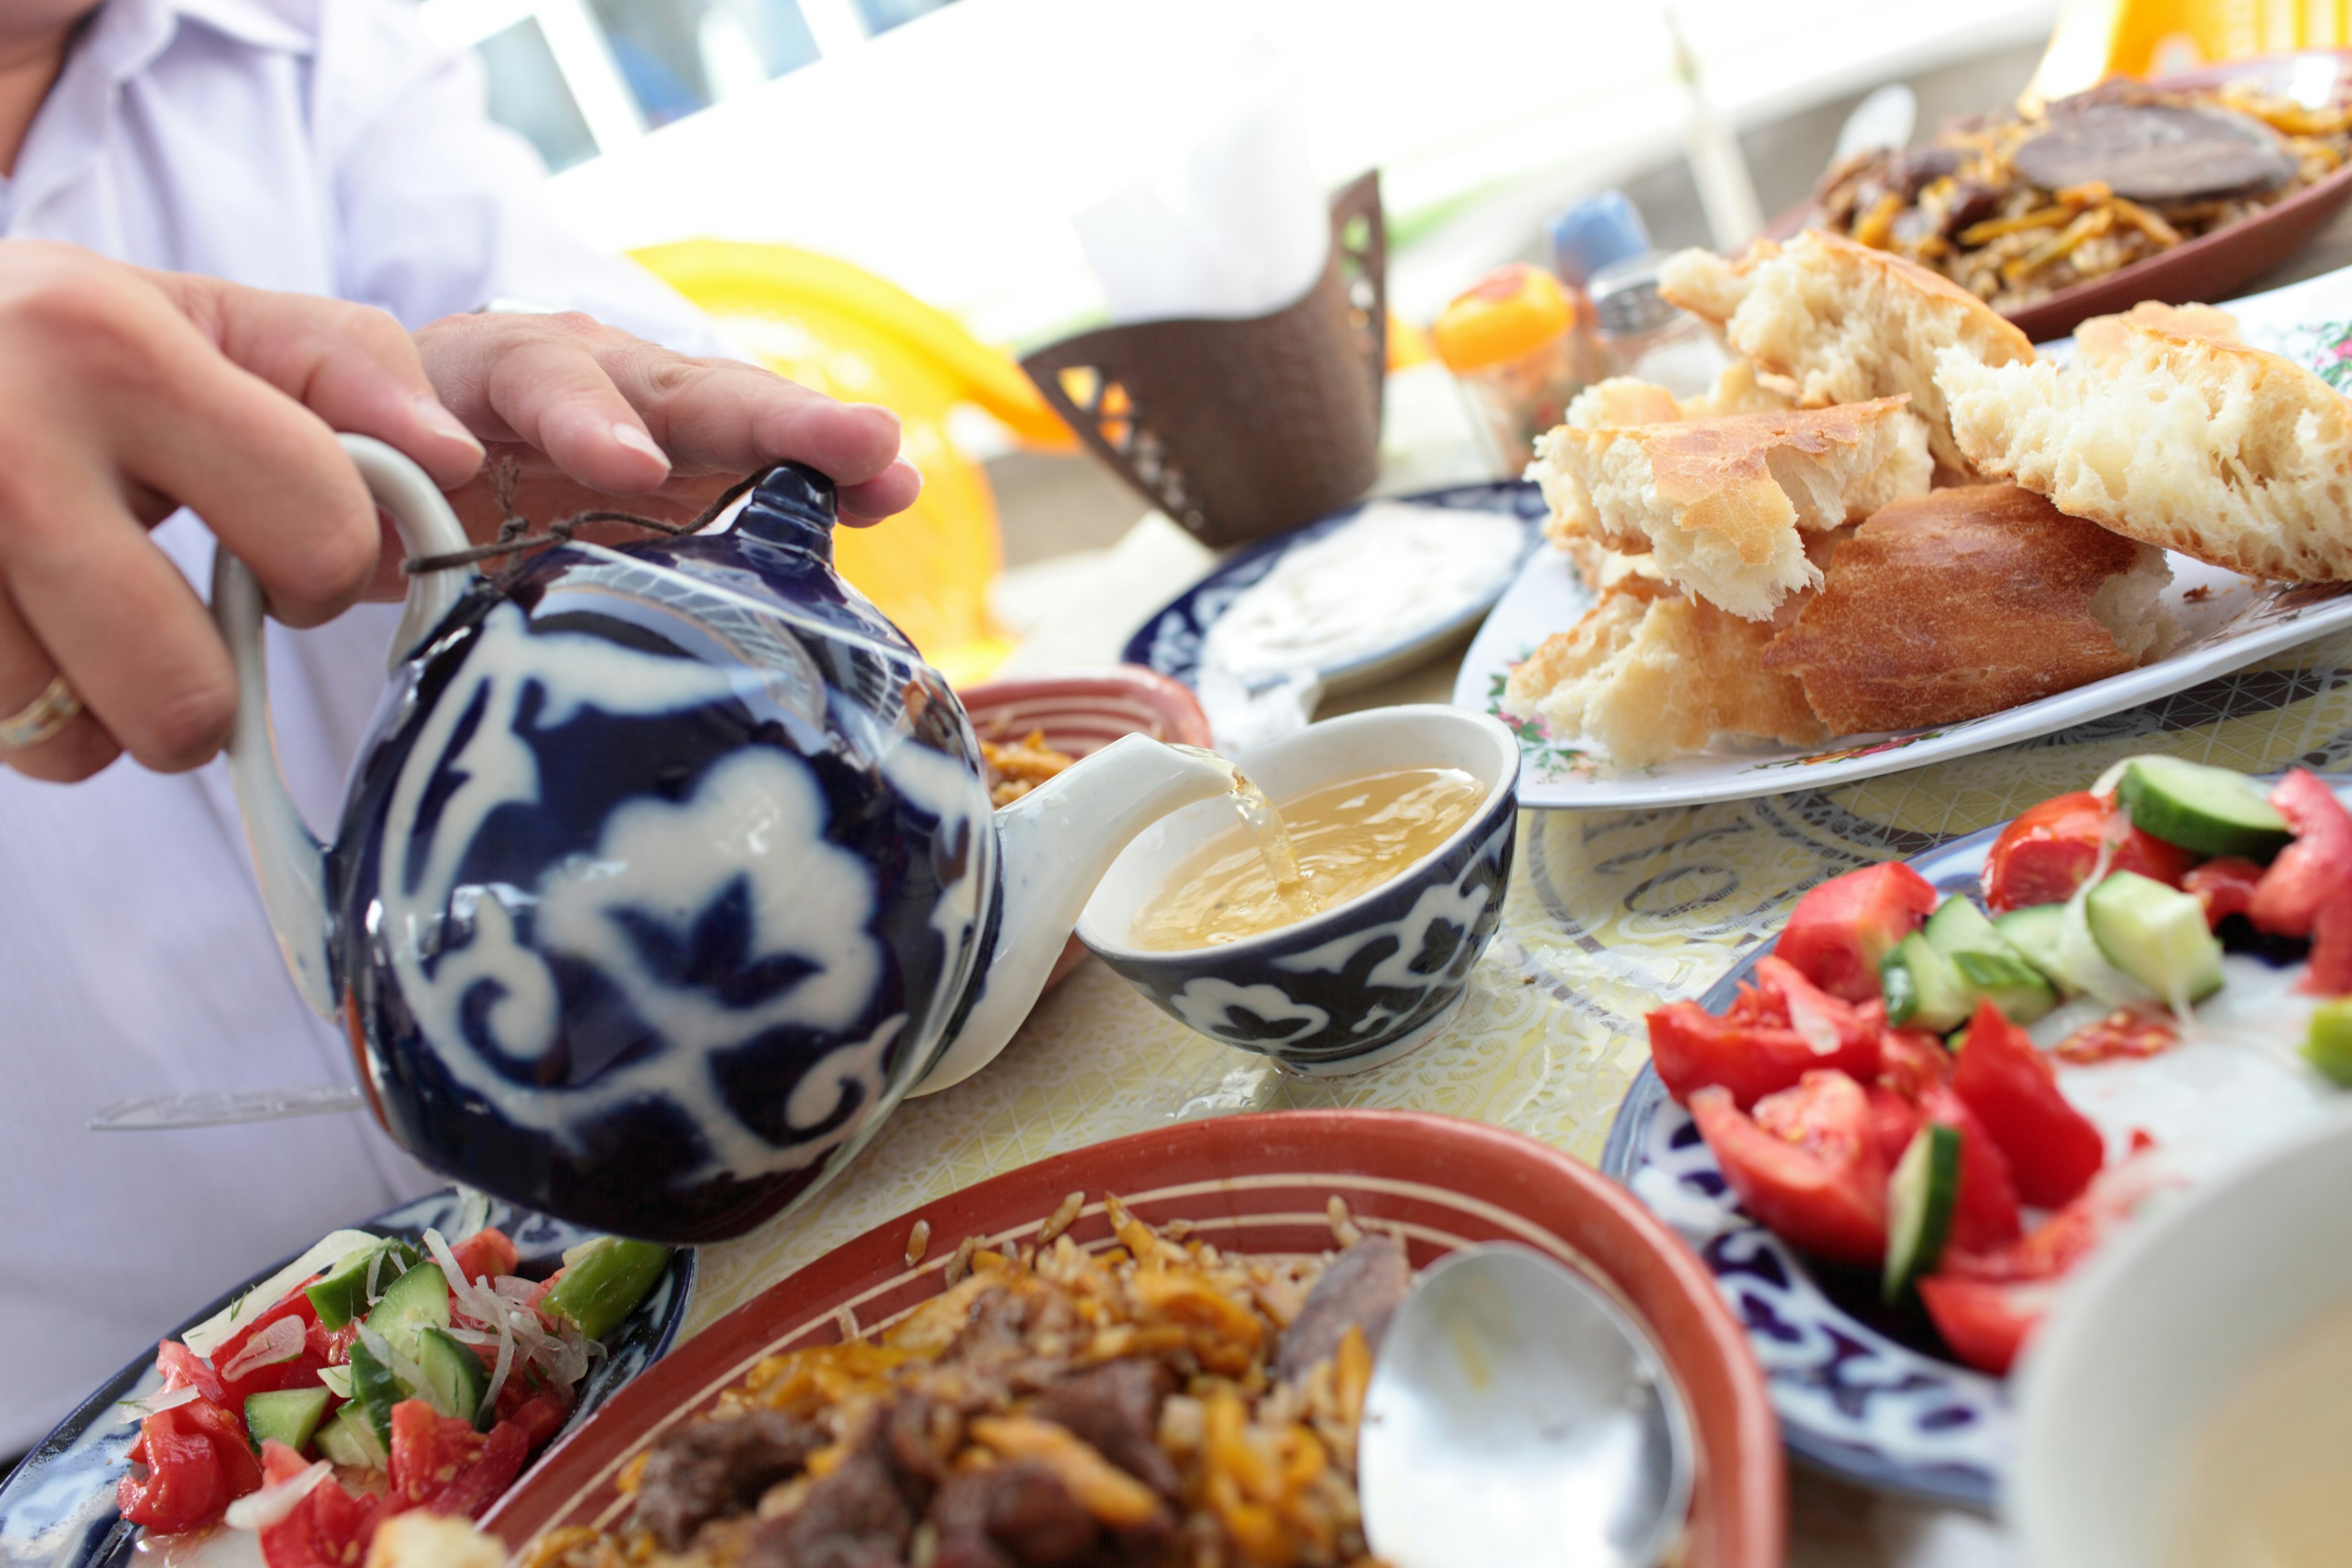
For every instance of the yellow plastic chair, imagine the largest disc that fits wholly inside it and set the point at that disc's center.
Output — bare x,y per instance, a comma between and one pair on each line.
2097,39
846,332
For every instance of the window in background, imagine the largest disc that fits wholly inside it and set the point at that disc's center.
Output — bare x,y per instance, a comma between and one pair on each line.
679,55
881,16
528,94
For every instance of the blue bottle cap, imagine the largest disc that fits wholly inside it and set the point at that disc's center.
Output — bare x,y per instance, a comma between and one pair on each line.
1593,232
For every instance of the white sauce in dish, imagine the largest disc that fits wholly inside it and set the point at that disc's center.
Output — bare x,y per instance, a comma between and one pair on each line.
2234,1086
1367,586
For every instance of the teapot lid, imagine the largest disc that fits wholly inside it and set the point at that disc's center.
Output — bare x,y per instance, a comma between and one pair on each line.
794,506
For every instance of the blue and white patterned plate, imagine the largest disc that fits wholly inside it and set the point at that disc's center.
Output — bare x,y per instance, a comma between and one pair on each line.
1862,1390
1169,642
57,1509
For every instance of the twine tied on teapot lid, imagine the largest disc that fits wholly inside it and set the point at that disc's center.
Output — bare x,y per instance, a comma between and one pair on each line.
515,535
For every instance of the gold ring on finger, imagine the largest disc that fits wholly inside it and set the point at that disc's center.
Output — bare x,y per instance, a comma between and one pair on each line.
41,719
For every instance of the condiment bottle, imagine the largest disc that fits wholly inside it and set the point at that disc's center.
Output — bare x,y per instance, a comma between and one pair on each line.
1644,337
1519,344
1593,232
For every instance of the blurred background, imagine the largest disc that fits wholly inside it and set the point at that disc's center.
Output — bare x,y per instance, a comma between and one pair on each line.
901,185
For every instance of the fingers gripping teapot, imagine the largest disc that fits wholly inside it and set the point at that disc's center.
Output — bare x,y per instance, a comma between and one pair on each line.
666,870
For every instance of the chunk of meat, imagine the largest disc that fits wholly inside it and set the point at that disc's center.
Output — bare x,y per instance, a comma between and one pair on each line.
1362,1286
924,1434
1115,1408
713,1469
1008,1514
860,1516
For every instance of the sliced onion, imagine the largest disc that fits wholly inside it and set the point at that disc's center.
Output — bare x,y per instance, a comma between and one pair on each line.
473,1212
513,1288
166,1399
505,1363
1813,1026
222,1326
337,1381
272,1503
476,1301
281,1341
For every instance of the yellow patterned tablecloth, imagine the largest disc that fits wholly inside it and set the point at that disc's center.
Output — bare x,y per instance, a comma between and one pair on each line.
1609,913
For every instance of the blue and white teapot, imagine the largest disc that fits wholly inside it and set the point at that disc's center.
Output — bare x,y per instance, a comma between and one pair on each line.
668,870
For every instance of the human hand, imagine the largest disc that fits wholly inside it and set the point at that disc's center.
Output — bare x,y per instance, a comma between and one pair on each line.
130,394
577,413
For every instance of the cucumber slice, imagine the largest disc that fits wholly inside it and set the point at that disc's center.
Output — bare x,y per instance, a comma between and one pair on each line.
351,1439
1920,1198
418,1299
341,1295
1986,961
2014,985
374,1391
2155,934
2035,934
2210,810
290,1414
454,1378
1923,989
603,1282
2329,1047
1957,926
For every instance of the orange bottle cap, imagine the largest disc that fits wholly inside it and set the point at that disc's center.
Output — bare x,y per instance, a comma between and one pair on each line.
1510,313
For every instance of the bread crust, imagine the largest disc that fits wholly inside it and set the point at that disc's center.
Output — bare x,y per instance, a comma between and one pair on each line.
1954,604
1723,503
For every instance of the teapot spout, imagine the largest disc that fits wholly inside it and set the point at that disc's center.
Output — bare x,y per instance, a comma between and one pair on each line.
1053,845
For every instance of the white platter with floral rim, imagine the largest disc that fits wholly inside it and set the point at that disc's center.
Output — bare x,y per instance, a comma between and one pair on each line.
2225,622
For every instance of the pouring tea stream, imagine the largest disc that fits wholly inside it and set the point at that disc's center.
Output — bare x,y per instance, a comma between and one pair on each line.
668,870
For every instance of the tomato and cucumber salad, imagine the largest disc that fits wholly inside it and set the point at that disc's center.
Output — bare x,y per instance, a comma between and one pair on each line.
369,1376
1963,1097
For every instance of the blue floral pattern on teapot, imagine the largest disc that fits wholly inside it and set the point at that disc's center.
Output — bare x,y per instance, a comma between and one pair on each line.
666,870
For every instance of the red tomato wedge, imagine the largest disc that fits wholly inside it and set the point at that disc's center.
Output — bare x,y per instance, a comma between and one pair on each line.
2225,887
1777,1030
1986,1322
442,1464
2314,870
184,1485
1986,1217
2329,972
329,1528
299,1370
1806,1166
2043,856
1839,930
1912,1062
1894,1121
488,1253
2054,1150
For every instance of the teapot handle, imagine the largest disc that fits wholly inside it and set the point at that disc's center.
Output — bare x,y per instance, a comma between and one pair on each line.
289,859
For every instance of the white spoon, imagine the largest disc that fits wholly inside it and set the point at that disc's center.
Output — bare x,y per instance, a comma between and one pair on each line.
1517,1415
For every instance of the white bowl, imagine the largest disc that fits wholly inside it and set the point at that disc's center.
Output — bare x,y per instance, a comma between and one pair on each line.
1365,981
2165,1322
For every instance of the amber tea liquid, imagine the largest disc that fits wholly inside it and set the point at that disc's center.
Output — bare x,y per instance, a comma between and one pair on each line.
1334,842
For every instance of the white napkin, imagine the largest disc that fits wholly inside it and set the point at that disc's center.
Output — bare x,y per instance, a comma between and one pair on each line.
1231,225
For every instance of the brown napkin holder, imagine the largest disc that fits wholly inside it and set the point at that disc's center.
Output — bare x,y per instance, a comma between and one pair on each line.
1238,429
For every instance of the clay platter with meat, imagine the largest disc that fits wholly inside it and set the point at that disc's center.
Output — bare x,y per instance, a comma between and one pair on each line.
1135,1353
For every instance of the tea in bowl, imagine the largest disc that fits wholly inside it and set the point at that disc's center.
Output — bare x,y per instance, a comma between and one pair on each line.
1401,824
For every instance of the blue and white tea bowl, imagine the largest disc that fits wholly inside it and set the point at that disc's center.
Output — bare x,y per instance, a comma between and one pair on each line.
1364,981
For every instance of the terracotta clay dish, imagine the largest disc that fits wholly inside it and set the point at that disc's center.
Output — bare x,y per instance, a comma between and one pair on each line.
2210,267
1254,1184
